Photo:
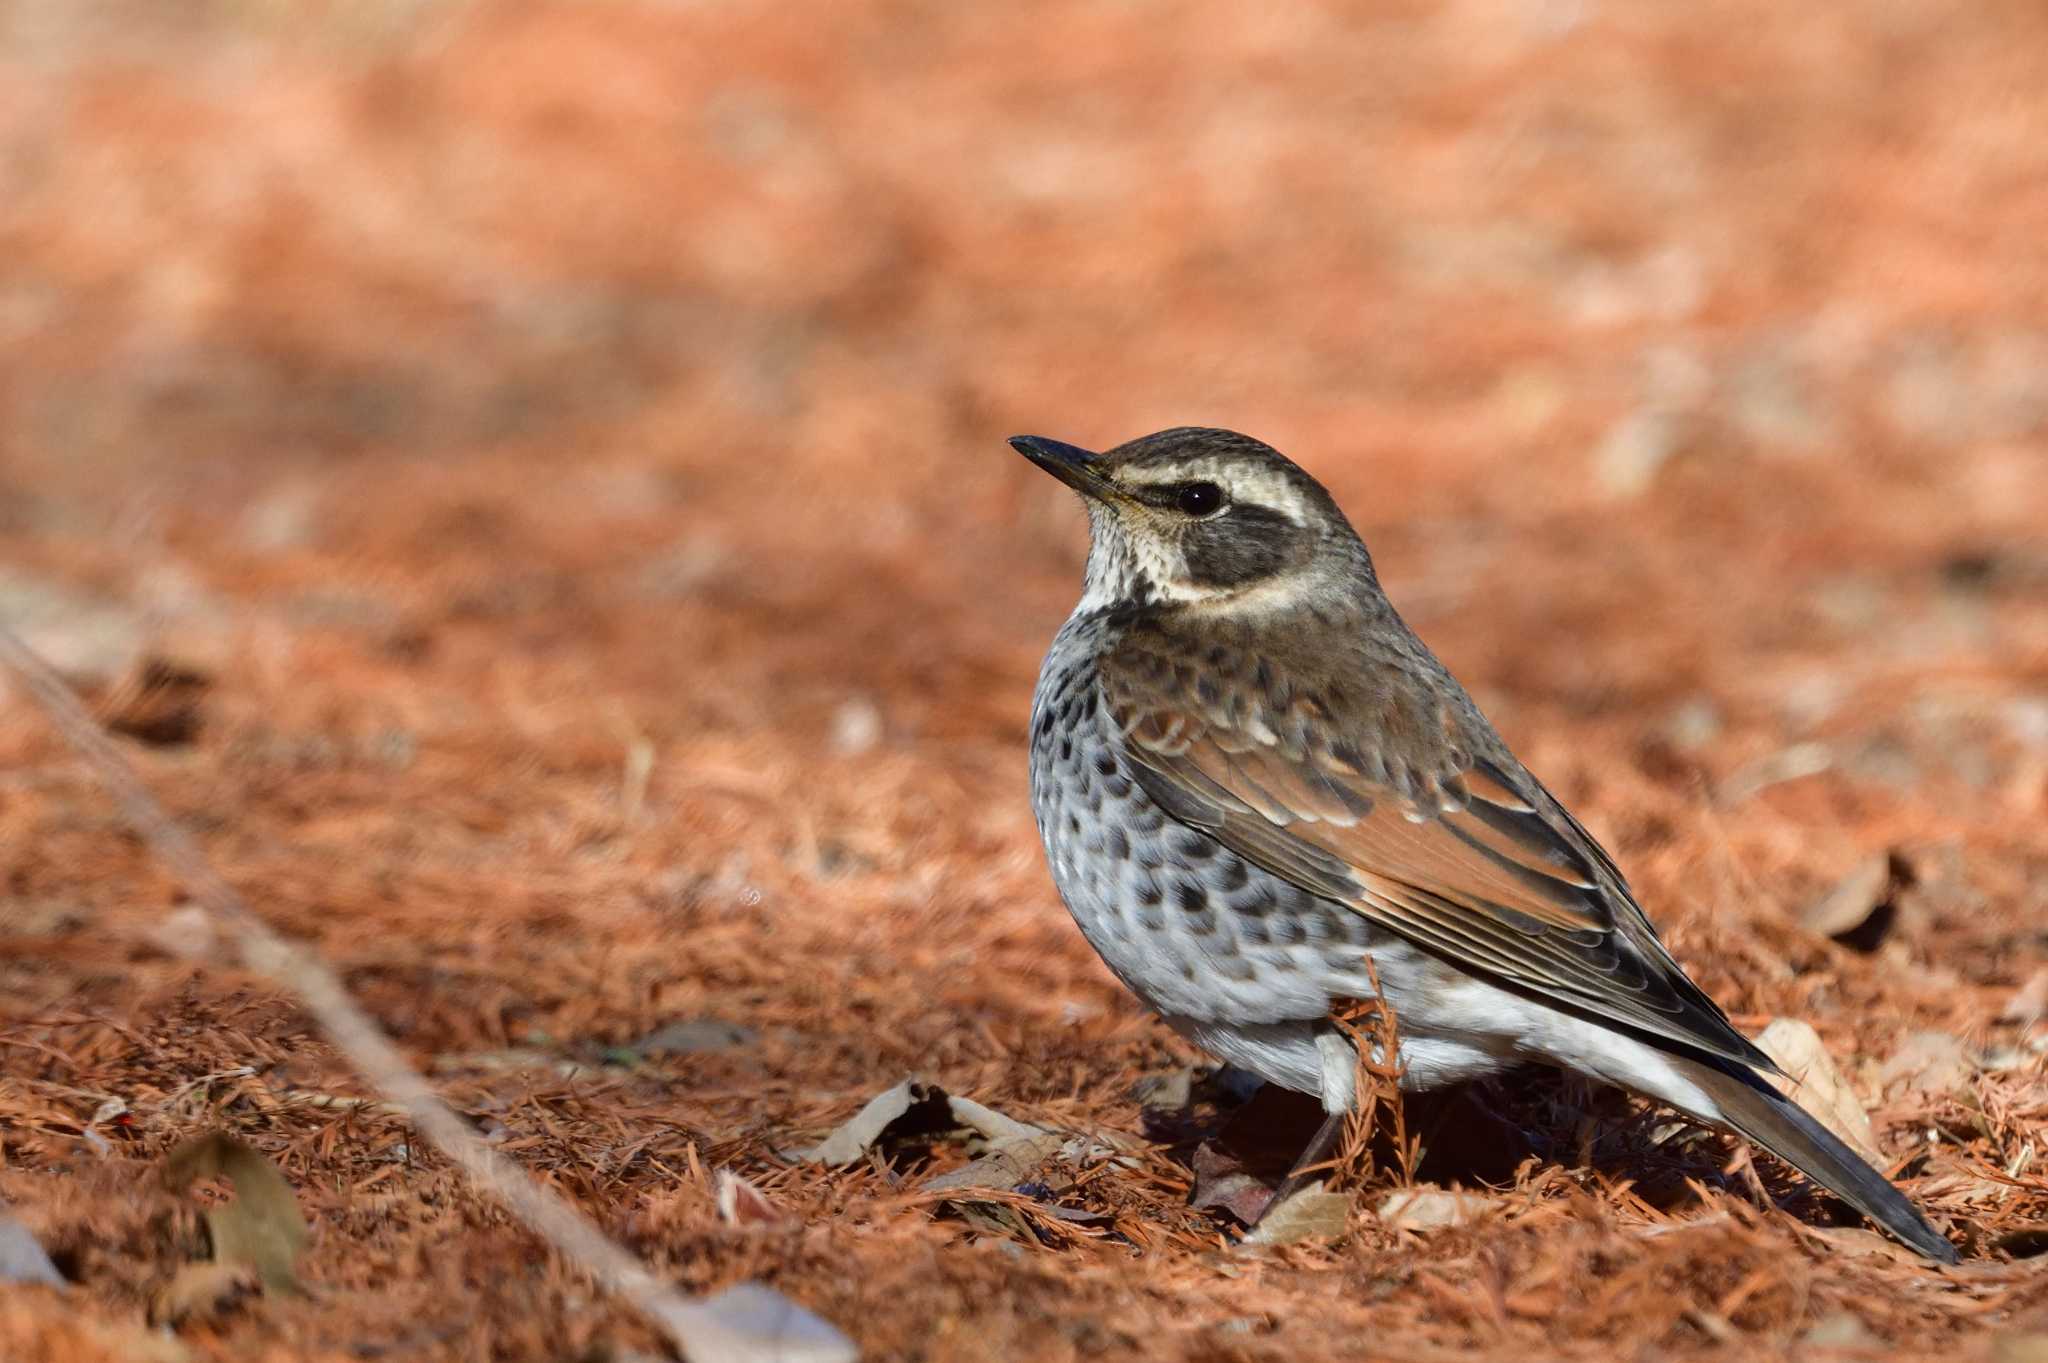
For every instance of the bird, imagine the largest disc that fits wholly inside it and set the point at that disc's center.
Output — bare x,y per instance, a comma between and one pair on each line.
1260,794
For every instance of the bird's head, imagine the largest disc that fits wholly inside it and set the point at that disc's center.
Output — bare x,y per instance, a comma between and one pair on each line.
1199,516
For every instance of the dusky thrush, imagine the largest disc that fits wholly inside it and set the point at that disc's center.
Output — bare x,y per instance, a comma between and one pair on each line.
1251,776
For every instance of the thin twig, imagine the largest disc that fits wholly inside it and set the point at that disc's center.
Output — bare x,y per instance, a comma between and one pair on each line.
574,1236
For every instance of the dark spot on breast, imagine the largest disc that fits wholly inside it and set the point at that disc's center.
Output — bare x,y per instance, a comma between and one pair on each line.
1235,875
1117,788
1193,902
1192,846
1149,894
1116,844
1105,763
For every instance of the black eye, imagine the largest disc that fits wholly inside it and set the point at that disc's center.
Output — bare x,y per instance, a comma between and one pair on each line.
1198,499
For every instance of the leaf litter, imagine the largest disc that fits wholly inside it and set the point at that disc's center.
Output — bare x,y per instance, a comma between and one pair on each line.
398,752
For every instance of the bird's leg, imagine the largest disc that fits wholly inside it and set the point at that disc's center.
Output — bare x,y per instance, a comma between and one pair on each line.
1340,1091
1339,1057
1312,1165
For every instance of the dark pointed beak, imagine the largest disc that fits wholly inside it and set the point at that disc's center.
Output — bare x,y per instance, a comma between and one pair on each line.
1077,468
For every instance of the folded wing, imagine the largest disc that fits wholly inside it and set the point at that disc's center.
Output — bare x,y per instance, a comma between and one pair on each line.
1372,790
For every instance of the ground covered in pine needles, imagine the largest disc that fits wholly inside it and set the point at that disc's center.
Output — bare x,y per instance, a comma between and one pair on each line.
526,481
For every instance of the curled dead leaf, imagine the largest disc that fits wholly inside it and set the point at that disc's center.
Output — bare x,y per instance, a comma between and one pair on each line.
856,1135
740,1203
1860,911
913,1106
262,1228
989,1122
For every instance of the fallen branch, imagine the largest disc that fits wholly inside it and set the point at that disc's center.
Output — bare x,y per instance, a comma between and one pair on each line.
574,1236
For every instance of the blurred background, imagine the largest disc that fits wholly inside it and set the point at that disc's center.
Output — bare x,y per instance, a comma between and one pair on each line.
528,479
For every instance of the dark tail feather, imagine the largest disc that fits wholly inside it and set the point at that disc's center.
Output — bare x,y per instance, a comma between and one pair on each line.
1785,1129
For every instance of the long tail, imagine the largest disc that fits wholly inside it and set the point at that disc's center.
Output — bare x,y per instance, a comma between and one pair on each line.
1758,1111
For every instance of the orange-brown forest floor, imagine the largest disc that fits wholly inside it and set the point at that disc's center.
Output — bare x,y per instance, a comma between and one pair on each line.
554,454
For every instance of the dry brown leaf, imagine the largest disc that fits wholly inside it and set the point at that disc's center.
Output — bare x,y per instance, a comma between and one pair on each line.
1813,1080
1928,1062
1311,1213
1007,1164
913,1103
1860,910
1221,1180
262,1227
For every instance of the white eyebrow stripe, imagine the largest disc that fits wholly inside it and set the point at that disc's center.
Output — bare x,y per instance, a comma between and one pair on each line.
1270,491
1163,477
